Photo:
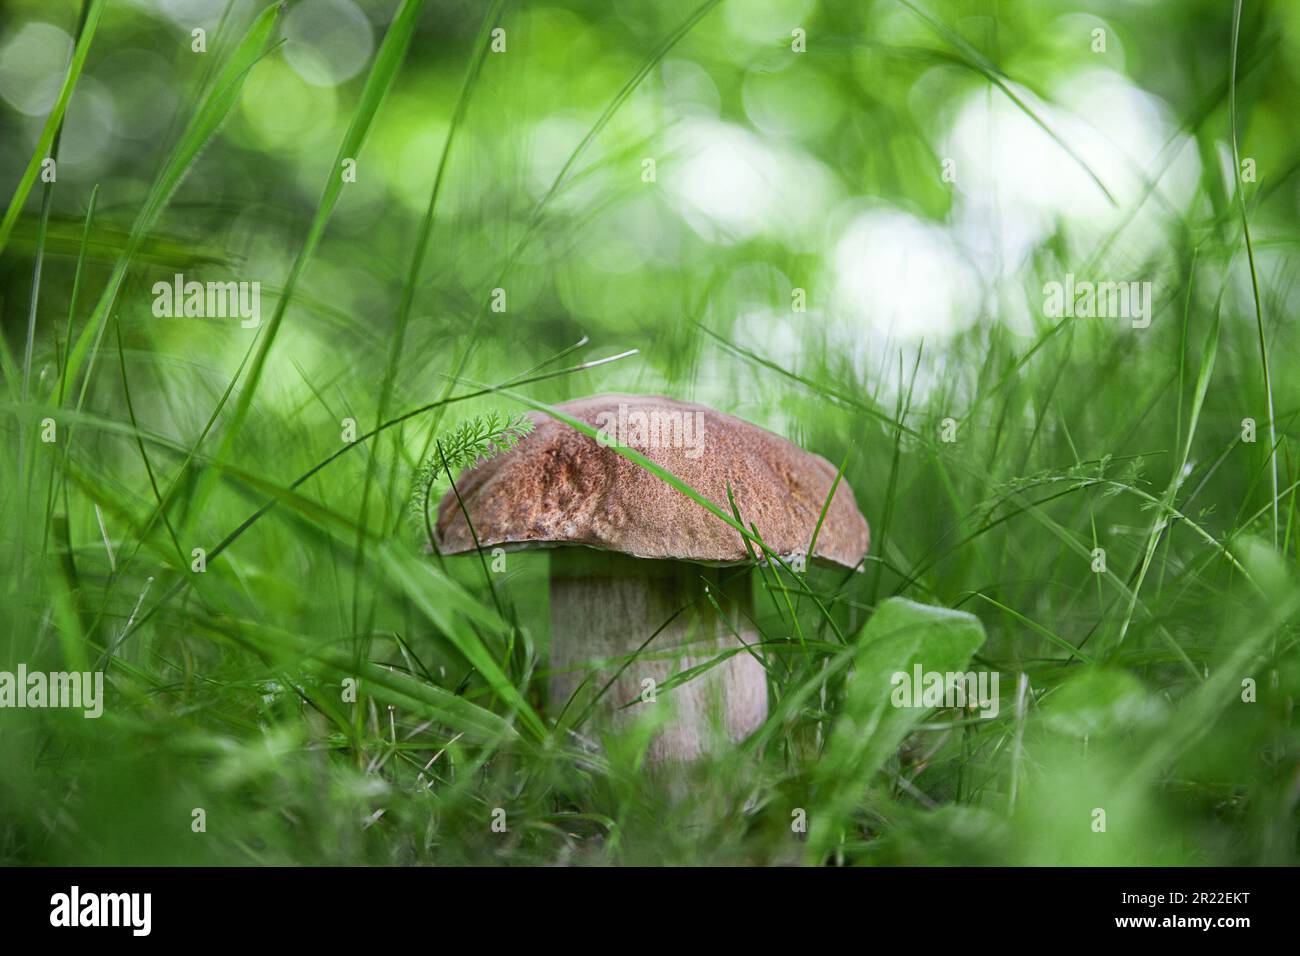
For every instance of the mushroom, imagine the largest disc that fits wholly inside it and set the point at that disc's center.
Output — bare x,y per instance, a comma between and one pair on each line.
634,558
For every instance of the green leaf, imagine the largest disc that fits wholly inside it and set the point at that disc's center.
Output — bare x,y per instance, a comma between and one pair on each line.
388,61
386,685
450,607
52,121
1096,701
900,635
216,103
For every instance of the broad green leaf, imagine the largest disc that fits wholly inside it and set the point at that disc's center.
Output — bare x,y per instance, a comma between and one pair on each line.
900,636
1094,701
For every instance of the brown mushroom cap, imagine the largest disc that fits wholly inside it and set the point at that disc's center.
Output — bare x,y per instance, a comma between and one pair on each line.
559,487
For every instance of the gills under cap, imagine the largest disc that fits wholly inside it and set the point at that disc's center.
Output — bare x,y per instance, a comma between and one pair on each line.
559,487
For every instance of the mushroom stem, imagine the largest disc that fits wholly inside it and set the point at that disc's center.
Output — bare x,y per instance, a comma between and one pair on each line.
605,606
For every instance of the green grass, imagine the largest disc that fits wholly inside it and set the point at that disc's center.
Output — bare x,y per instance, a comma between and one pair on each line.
232,689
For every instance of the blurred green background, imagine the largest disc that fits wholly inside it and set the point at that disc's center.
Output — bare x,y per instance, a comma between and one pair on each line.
835,220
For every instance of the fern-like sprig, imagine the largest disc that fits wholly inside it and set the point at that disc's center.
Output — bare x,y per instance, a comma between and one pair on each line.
476,439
